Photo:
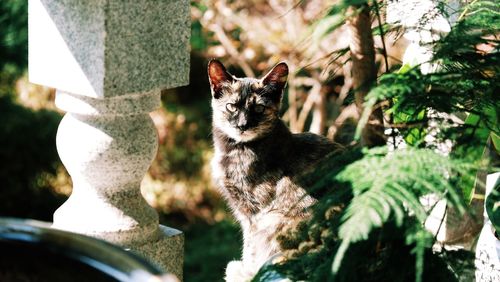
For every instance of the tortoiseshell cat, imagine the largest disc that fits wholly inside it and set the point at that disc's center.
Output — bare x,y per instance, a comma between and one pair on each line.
257,160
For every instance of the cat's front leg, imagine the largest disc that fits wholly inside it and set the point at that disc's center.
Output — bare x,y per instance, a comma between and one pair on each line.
259,240
236,272
253,255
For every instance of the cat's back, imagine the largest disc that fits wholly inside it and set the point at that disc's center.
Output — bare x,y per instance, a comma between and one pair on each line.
309,149
307,141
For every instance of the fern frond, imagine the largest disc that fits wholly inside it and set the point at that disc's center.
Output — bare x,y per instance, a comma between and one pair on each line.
421,239
386,186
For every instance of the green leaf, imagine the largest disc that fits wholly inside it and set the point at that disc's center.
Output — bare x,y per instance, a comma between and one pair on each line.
495,139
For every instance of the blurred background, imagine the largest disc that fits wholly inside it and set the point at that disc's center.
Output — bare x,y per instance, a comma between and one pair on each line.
249,37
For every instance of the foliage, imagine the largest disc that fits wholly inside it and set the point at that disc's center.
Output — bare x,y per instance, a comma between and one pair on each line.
13,39
374,212
466,81
392,188
369,217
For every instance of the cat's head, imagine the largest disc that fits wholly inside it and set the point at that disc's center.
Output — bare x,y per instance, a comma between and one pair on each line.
246,108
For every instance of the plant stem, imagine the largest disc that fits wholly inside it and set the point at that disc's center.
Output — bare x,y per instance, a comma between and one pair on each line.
381,30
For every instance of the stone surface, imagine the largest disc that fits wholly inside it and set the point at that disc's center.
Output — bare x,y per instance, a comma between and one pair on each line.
453,230
119,105
107,157
107,48
167,252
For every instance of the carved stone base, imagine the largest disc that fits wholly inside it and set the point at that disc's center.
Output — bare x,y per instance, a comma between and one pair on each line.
107,145
167,251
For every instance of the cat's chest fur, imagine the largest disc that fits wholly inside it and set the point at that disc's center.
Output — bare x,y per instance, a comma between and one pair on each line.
246,177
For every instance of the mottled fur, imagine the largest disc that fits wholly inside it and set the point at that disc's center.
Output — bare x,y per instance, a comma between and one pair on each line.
257,160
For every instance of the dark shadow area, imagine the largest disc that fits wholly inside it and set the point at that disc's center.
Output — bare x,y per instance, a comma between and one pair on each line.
33,251
23,264
209,248
27,156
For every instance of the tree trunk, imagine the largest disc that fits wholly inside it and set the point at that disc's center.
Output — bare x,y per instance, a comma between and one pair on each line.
364,72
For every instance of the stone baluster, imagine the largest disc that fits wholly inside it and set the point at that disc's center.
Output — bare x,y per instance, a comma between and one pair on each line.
109,60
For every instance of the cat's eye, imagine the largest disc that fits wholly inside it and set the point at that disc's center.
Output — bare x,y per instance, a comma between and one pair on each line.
231,107
259,109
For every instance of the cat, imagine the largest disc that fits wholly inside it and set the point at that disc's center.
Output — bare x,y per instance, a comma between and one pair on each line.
257,161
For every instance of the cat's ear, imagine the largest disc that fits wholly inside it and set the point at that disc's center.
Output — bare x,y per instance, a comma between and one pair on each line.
277,75
275,79
217,75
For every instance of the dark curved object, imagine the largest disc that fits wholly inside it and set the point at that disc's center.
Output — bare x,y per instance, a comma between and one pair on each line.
492,209
33,251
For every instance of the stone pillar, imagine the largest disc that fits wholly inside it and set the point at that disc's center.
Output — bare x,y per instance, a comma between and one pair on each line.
109,60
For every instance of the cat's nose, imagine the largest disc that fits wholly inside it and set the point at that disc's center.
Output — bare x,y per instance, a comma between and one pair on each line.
242,123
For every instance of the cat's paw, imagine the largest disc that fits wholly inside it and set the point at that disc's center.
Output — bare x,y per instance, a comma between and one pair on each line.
235,272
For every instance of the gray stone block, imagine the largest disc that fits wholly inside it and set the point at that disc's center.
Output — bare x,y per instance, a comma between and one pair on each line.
167,252
109,48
